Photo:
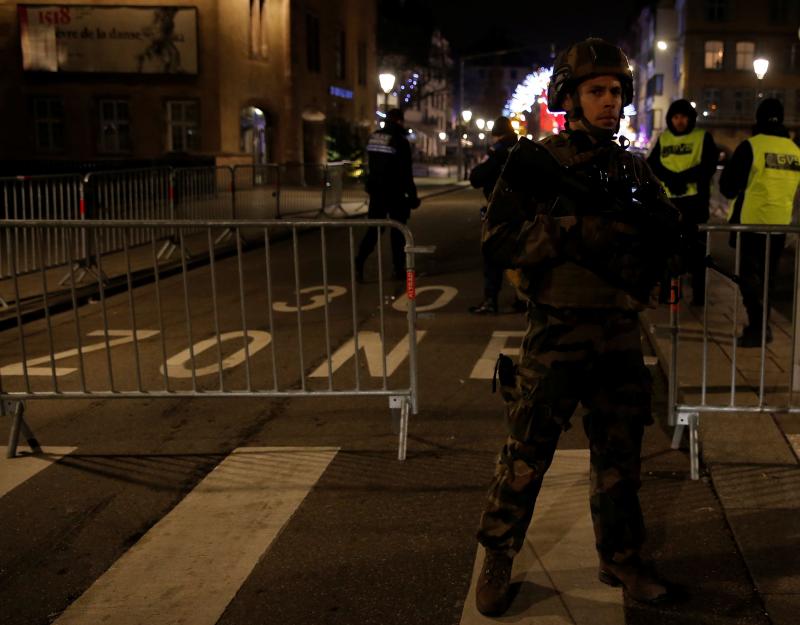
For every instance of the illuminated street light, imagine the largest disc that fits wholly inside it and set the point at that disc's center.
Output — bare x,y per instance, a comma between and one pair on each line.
387,82
464,136
480,123
443,136
490,125
662,45
481,136
466,115
760,67
694,104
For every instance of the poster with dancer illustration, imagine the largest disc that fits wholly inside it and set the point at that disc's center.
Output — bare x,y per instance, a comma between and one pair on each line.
108,39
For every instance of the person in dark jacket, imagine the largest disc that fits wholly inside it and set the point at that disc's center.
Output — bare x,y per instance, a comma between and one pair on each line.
484,176
763,176
391,189
684,159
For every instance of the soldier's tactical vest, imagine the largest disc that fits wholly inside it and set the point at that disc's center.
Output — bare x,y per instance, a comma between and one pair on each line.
772,183
682,152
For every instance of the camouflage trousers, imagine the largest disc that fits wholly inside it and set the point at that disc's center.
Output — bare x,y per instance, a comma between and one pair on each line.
591,357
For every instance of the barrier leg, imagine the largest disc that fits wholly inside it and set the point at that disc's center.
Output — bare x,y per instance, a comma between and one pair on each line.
677,436
691,419
19,425
400,407
694,446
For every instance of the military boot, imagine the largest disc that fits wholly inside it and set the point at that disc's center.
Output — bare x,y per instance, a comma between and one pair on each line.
639,582
492,595
486,307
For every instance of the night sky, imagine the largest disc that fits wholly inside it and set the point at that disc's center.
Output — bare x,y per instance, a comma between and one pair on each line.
481,25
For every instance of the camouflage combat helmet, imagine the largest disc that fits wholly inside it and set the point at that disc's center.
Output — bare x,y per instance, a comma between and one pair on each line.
584,60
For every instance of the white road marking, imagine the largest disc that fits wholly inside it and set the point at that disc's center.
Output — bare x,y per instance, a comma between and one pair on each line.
370,344
317,301
447,296
484,368
180,365
35,370
557,566
15,471
188,567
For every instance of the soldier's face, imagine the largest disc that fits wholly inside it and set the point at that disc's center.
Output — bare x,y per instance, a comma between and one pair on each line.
601,100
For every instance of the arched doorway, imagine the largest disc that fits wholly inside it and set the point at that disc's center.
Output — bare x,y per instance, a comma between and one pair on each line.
254,132
314,148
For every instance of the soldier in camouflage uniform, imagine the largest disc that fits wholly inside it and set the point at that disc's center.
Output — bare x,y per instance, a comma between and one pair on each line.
590,231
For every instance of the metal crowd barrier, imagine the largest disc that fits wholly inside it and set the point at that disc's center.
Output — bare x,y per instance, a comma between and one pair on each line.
730,391
240,192
181,329
37,197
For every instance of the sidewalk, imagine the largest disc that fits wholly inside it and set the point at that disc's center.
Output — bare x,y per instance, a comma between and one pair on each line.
750,459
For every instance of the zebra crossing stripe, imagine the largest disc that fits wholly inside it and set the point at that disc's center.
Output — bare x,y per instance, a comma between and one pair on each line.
189,566
557,567
15,471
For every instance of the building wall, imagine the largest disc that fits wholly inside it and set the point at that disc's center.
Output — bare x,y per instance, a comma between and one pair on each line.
318,107
231,77
775,38
655,69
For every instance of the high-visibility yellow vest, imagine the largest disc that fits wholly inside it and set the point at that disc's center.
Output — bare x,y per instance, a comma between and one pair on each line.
773,180
682,152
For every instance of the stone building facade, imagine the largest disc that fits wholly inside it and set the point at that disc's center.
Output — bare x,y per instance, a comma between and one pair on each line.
233,81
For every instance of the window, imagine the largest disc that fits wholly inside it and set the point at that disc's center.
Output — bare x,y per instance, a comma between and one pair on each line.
362,63
258,29
745,53
743,100
778,94
115,126
341,55
716,10
313,60
778,11
715,51
793,60
655,86
711,100
183,125
48,121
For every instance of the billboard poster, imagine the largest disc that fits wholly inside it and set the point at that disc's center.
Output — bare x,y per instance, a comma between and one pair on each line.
108,39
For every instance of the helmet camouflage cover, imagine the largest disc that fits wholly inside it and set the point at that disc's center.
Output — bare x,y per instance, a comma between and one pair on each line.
584,60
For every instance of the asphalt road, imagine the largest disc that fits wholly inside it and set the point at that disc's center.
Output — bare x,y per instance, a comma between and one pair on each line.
152,518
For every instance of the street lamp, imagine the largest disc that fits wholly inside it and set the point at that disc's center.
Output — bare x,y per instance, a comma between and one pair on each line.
387,83
760,67
490,125
480,123
466,115
662,45
443,136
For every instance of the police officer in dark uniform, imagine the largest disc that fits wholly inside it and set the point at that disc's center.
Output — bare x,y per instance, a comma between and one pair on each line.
391,189
484,176
590,231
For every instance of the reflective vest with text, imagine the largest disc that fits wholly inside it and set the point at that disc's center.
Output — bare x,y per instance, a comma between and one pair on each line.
682,152
773,180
